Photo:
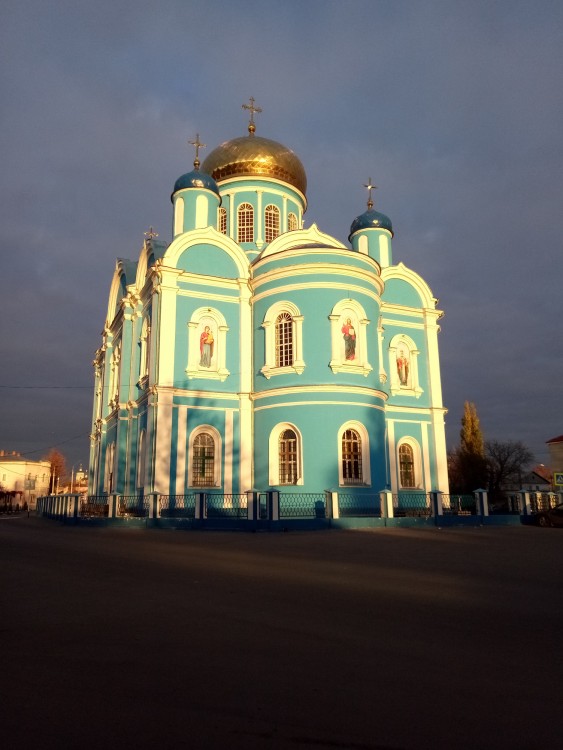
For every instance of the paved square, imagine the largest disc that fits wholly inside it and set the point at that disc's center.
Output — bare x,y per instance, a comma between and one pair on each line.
395,639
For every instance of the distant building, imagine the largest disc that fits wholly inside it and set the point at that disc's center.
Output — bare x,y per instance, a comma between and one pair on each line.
539,479
250,352
555,447
23,480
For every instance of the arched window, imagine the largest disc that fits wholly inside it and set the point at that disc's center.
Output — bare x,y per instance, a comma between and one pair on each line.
291,221
223,220
245,216
406,466
288,459
353,455
284,340
283,328
352,458
272,222
203,460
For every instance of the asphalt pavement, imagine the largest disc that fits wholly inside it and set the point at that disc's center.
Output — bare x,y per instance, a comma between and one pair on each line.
390,639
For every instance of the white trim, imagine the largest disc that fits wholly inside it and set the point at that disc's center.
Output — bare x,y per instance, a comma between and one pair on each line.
178,215
181,449
319,403
228,470
163,446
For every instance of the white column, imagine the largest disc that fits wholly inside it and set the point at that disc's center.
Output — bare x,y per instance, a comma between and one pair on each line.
228,467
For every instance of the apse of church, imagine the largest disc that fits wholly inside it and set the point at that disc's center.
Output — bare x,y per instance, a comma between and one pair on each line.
251,351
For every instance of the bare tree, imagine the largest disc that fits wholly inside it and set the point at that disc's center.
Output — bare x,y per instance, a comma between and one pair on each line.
58,468
506,462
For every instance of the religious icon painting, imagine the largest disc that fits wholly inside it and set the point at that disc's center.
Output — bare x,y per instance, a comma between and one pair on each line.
207,339
403,365
349,337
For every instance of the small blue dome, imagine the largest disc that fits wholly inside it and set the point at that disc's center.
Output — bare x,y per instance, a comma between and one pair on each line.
371,219
196,179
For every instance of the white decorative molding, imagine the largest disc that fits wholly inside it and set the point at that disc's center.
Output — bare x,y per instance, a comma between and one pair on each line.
402,348
348,328
207,363
269,325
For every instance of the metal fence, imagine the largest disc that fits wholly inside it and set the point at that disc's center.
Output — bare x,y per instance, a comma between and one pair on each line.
352,506
177,506
459,505
94,506
133,506
302,505
219,505
412,504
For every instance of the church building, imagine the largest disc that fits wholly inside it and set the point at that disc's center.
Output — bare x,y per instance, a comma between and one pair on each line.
253,352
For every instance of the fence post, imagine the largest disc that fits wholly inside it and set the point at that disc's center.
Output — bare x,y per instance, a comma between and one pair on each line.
200,505
112,505
153,504
332,508
274,503
481,502
526,505
251,504
436,503
386,498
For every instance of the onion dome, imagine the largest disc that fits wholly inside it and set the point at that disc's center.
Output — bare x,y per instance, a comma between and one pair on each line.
254,156
370,219
196,179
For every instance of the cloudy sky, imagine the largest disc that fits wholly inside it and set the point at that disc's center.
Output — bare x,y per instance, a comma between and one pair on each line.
454,109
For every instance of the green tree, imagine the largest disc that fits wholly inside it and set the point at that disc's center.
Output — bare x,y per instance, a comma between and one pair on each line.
472,441
468,465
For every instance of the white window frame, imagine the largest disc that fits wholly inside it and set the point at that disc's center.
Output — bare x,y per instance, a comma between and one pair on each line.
366,463
292,219
274,456
222,220
269,325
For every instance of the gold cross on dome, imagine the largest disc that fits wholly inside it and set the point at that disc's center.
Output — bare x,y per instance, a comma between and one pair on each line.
252,109
151,234
370,187
197,145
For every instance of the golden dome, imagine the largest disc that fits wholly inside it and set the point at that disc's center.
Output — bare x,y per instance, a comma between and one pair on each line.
252,155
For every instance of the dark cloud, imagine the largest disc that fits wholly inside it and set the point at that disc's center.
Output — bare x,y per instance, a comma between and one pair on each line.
455,110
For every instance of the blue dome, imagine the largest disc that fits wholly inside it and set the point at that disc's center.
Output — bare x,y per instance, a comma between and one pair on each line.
371,219
196,179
